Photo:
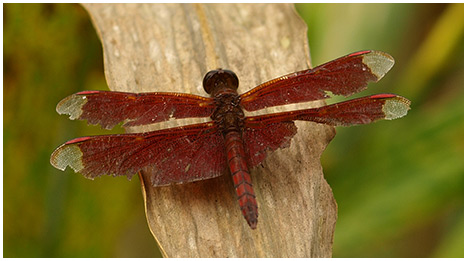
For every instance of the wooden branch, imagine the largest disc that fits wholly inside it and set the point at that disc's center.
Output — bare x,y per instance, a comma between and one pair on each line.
169,47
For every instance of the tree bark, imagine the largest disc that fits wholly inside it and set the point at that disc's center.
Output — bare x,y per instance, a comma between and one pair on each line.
169,48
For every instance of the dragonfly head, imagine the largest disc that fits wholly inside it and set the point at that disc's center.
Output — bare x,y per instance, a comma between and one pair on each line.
218,80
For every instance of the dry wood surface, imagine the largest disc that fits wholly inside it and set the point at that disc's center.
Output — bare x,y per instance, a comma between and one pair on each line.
169,48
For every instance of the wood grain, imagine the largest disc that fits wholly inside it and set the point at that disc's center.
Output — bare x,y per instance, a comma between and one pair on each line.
169,47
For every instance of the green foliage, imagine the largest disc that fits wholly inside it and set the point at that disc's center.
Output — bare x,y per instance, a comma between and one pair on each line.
399,184
51,51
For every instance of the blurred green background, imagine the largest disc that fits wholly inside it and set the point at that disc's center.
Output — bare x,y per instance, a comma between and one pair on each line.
399,185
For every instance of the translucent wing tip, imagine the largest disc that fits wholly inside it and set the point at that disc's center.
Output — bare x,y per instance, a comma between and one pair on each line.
72,105
67,155
396,107
378,62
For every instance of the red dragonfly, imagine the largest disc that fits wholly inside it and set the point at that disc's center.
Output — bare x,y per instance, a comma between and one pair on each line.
230,140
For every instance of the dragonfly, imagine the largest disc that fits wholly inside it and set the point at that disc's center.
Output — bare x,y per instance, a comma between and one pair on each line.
229,140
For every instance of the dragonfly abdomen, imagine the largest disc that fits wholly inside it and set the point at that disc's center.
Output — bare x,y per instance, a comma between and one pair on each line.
241,177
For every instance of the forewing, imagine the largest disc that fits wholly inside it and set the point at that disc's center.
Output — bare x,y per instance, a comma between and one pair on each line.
352,112
176,155
344,76
109,108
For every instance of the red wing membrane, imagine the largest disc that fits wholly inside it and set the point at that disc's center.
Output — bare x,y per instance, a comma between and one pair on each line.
261,138
178,155
344,76
110,108
357,111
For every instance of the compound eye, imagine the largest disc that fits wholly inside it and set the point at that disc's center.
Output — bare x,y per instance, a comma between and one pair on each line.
231,79
208,81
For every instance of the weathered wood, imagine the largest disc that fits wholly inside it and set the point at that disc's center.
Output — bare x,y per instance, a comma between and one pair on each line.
169,47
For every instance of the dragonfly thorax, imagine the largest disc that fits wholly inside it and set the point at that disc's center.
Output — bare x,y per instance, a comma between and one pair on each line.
229,115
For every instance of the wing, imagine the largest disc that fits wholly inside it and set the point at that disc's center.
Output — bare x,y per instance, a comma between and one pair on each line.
352,112
344,76
260,139
110,108
177,155
272,131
